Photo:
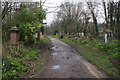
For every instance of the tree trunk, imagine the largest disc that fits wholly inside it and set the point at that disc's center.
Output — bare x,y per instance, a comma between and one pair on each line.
106,17
38,32
111,16
118,21
94,18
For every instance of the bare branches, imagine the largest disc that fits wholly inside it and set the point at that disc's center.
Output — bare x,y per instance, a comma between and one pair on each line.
53,10
43,3
7,7
94,17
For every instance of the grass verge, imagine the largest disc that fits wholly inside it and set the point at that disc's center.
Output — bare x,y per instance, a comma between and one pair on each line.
94,55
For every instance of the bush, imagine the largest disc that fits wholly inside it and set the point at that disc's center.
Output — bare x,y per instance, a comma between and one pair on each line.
29,41
117,55
13,64
32,54
84,42
11,68
5,64
10,75
21,69
55,32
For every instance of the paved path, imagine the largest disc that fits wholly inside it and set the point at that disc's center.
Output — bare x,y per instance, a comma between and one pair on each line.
65,62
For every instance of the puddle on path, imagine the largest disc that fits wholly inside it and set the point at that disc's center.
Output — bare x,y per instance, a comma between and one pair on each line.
54,48
54,54
56,67
54,57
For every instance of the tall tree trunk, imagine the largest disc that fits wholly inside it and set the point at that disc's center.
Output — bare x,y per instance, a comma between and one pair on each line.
38,32
0,35
106,17
94,18
118,20
111,16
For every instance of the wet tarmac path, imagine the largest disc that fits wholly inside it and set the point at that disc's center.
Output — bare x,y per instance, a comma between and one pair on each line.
65,62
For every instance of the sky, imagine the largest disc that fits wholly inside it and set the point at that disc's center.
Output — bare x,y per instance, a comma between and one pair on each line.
56,3
53,4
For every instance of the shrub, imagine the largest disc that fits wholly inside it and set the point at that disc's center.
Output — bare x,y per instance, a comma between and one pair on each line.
13,64
84,42
6,64
32,54
10,75
117,55
55,32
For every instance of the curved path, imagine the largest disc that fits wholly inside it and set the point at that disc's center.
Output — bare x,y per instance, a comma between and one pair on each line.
65,62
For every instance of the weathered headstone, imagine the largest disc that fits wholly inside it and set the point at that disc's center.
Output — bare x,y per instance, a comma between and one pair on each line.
79,35
106,38
14,35
82,34
36,35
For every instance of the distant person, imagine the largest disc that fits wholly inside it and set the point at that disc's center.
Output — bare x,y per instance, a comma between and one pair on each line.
61,37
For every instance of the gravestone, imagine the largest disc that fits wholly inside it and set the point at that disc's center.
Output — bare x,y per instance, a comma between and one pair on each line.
14,35
82,34
106,38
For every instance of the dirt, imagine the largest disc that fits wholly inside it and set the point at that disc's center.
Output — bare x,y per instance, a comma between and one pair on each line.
66,62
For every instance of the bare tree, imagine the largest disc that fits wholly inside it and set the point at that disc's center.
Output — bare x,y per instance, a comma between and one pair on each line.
70,16
105,11
6,7
118,20
91,7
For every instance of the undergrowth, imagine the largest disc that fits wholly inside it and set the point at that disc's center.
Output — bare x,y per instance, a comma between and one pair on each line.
14,58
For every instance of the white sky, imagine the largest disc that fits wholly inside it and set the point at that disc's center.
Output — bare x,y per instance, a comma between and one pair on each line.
56,3
52,15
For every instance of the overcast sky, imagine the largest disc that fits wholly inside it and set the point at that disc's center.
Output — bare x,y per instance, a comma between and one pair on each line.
52,10
56,3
